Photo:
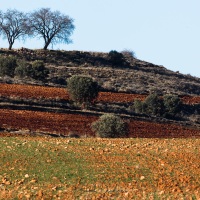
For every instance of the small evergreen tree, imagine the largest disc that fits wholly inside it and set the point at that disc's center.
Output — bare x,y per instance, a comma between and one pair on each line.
82,89
110,126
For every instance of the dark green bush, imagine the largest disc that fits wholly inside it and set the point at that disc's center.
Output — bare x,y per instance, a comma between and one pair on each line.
23,69
38,71
7,65
110,126
82,89
116,58
153,105
172,104
169,106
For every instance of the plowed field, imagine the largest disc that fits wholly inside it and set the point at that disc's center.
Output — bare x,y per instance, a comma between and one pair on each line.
81,124
28,91
110,169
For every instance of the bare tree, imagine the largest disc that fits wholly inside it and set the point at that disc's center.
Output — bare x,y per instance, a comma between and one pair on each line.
53,27
13,25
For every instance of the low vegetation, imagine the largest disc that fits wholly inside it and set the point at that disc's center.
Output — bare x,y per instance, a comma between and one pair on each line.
169,106
82,89
110,126
11,66
7,65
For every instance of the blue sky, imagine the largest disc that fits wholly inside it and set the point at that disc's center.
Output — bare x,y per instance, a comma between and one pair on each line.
163,32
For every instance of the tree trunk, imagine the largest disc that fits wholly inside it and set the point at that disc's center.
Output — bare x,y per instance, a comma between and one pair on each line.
46,44
10,46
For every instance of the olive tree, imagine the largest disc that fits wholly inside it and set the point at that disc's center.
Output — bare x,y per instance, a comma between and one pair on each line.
13,26
82,89
52,26
110,126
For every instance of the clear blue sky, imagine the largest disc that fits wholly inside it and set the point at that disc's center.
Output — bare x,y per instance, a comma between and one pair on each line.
163,32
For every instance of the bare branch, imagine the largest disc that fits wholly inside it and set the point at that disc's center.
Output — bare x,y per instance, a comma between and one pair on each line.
13,25
53,27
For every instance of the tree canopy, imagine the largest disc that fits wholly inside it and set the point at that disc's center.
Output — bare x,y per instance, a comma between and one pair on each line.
52,26
13,25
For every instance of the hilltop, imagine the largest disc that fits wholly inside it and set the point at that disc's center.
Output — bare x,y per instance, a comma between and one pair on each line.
132,76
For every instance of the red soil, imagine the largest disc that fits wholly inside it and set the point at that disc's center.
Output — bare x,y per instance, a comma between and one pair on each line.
29,91
81,124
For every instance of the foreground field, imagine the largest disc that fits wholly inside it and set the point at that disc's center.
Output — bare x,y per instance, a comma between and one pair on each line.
44,168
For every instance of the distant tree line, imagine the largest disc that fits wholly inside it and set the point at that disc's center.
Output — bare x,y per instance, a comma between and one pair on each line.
52,26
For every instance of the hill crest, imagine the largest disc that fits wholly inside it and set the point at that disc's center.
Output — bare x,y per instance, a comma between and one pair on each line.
133,76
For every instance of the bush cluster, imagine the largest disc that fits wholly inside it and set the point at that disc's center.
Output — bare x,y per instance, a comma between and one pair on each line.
168,106
10,66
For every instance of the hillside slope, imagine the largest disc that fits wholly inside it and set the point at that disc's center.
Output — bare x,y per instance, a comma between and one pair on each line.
133,76
24,106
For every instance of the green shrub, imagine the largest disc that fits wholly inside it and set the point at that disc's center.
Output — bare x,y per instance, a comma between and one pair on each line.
7,65
82,89
38,71
153,105
169,106
23,69
172,104
116,58
110,126
138,106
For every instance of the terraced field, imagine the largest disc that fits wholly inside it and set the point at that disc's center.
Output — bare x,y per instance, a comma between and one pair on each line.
81,124
29,91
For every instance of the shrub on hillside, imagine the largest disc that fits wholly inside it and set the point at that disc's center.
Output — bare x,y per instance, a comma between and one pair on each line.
110,126
38,71
172,104
7,65
169,106
138,106
116,58
153,105
23,69
128,54
82,89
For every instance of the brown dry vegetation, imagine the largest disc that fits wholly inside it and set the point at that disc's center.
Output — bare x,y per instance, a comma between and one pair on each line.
135,76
